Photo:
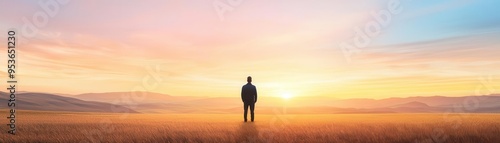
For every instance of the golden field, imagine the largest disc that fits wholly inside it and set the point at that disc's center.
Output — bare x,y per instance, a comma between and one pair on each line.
38,126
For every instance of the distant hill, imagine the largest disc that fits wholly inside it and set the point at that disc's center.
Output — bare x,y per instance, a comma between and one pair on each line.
433,101
413,104
162,103
50,102
150,102
125,97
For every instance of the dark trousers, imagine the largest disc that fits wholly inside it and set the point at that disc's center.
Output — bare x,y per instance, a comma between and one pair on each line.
245,107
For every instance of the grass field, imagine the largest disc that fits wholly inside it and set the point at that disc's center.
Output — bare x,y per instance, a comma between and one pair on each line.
35,126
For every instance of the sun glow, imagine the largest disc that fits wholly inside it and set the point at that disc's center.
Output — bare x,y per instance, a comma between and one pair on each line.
286,96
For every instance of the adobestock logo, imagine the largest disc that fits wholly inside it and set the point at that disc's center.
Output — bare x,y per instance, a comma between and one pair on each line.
363,35
221,8
40,18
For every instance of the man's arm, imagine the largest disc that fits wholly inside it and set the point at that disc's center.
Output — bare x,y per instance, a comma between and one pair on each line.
242,100
255,91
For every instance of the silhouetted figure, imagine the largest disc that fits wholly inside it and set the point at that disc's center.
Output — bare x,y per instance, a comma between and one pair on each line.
249,98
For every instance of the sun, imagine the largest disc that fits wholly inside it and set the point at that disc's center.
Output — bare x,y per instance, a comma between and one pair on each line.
286,96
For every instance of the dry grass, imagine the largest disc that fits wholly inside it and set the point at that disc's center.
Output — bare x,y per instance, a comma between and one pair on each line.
36,126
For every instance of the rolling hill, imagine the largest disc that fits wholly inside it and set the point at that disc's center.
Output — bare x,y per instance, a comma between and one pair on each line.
162,103
50,102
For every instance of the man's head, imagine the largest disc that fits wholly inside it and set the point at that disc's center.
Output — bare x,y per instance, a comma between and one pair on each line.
249,79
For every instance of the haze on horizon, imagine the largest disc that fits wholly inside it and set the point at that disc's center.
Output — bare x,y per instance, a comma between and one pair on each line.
290,48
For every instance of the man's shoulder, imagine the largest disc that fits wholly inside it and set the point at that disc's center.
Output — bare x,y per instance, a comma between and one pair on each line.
248,85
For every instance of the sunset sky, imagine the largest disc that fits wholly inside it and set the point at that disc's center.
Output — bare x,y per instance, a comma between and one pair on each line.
289,47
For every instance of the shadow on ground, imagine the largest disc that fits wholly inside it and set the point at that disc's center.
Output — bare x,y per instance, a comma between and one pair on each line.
248,133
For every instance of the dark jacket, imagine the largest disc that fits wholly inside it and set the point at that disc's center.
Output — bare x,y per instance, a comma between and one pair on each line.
249,93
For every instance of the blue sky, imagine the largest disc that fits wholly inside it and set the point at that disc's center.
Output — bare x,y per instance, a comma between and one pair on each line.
434,20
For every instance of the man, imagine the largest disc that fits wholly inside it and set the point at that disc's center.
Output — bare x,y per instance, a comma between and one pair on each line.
249,97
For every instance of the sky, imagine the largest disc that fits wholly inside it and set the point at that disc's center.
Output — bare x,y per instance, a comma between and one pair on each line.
292,48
